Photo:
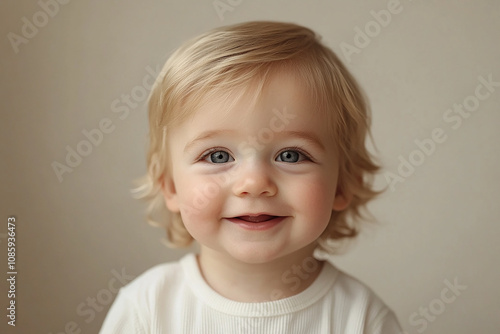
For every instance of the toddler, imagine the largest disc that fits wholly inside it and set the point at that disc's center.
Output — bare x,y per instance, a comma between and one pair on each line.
257,152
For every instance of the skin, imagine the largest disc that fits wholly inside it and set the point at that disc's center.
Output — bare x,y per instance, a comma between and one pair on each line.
251,165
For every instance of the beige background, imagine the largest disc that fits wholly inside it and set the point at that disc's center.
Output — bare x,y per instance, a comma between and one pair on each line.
440,224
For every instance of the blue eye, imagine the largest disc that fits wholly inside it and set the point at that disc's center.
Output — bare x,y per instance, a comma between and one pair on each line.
219,157
291,156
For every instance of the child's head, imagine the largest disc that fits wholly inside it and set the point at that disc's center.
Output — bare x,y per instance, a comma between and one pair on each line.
257,118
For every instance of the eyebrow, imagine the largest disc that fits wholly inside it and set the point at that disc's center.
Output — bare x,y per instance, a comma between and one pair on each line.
310,137
207,135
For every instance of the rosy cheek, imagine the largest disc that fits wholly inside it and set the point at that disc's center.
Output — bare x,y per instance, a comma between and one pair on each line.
317,198
199,198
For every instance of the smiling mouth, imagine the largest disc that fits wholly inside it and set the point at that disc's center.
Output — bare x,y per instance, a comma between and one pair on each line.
262,222
257,219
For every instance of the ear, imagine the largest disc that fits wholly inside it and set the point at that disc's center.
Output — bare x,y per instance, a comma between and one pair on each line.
170,194
342,200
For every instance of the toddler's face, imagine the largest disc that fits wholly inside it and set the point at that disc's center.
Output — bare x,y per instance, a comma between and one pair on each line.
258,182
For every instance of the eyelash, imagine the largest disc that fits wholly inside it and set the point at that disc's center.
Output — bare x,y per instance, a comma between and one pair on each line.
298,149
207,153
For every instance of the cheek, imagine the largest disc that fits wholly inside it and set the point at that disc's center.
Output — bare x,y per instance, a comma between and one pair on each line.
314,197
200,201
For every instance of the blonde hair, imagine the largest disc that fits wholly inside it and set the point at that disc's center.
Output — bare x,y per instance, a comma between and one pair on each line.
234,56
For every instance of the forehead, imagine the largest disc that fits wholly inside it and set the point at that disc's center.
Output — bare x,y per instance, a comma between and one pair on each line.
254,103
282,108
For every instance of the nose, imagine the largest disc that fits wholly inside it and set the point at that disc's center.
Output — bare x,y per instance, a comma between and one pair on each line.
254,181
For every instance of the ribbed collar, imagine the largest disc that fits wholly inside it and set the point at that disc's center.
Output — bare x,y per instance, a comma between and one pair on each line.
211,298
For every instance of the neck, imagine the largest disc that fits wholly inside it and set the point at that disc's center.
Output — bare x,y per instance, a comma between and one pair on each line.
249,282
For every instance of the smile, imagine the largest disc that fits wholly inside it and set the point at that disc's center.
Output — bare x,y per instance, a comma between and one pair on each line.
256,219
256,222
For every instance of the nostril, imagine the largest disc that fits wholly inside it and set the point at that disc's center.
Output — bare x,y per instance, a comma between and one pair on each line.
255,186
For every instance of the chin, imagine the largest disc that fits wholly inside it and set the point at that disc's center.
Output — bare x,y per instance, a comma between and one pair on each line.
256,255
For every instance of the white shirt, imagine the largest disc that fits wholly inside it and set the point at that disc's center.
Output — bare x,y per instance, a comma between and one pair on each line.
174,298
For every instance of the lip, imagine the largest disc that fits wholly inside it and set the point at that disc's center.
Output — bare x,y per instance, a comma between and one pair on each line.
256,226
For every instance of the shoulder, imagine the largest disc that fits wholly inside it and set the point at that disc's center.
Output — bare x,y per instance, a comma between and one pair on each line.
139,303
358,293
158,284
359,305
155,278
354,290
